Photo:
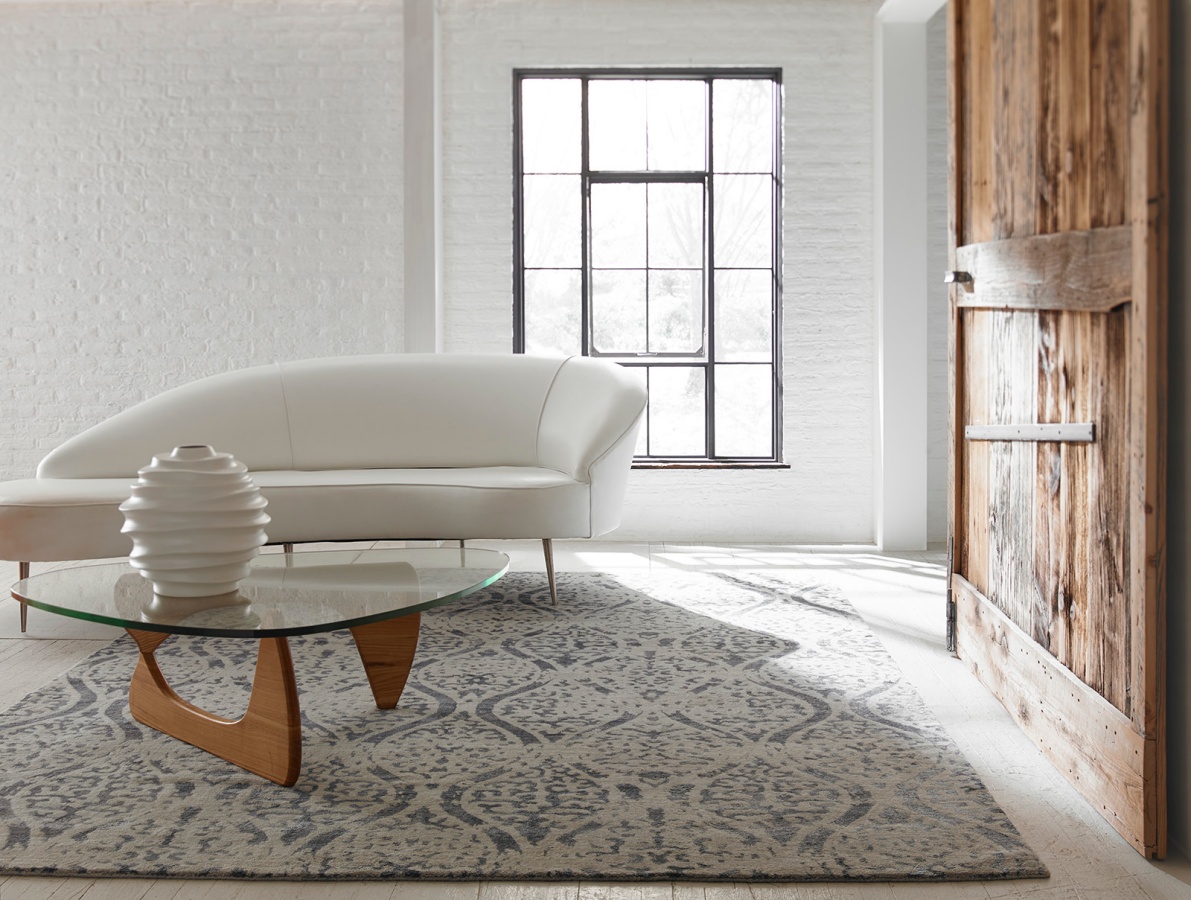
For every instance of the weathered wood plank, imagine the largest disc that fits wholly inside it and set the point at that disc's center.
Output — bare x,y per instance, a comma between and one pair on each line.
1057,711
1108,82
1013,399
956,143
1002,369
1014,111
1148,211
1079,270
1078,602
978,120
1080,549
1075,201
1049,524
1083,129
1050,145
1108,477
973,562
1081,369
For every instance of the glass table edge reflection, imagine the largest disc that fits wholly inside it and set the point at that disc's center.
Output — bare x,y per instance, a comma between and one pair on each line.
498,568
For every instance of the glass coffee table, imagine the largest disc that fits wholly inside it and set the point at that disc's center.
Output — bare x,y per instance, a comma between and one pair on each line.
377,594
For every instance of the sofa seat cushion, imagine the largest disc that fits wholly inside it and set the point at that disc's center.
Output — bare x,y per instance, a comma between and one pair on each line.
47,519
364,504
79,518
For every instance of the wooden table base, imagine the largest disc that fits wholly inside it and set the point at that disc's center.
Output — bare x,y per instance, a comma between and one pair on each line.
387,650
267,739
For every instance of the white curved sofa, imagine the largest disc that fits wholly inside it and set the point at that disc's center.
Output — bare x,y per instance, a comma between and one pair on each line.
389,447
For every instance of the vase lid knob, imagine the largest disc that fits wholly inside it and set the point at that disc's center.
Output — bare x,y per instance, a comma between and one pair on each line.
193,451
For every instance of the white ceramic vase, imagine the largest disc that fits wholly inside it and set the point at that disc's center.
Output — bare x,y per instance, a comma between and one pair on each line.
196,519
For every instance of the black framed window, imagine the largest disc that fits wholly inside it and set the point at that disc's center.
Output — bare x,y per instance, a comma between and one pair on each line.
646,231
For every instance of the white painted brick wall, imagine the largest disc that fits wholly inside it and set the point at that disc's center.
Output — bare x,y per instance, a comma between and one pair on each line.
825,50
191,187
936,311
186,188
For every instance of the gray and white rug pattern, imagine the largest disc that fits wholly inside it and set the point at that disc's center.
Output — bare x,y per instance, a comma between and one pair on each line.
662,726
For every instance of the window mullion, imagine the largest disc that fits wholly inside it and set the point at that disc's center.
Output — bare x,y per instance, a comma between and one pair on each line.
518,213
776,272
709,271
660,177
585,343
647,259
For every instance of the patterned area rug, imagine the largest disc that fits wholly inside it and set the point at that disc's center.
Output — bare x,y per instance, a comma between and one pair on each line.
661,726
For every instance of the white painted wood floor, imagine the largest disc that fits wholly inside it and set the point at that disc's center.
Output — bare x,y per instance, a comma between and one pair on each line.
901,596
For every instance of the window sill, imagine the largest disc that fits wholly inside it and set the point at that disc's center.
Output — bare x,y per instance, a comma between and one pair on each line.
707,464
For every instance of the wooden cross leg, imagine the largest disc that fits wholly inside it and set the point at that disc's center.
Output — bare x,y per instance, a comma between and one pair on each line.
387,650
267,740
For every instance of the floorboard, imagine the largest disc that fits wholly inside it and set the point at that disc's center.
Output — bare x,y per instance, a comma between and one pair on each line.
29,664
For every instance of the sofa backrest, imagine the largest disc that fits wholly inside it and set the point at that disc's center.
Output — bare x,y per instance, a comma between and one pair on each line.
359,412
416,410
240,412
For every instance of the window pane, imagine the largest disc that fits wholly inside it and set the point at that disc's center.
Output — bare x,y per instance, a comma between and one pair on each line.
618,226
551,210
550,125
742,116
640,374
677,125
676,226
675,311
552,312
743,221
616,124
744,316
676,411
618,311
744,410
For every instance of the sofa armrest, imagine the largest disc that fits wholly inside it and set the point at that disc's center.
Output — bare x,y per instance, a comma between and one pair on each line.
609,479
592,406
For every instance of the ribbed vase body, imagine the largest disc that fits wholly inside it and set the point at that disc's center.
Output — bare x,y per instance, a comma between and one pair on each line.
196,519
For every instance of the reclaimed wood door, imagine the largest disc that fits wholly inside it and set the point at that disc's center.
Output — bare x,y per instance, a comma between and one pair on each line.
1058,380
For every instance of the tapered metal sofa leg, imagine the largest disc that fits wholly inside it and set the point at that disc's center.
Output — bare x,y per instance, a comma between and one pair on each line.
23,572
548,549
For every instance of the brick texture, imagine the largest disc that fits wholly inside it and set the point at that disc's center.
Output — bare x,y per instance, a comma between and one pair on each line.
190,187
